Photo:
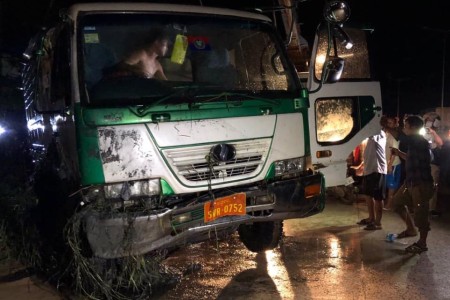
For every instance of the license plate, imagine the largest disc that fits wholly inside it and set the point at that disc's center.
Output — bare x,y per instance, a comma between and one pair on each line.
233,205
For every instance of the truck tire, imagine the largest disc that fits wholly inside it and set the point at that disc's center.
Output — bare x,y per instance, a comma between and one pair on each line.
261,236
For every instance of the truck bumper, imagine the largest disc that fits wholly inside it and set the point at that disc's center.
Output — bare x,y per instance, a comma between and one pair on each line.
123,235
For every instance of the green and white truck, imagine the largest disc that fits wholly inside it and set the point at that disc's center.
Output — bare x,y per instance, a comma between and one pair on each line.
236,138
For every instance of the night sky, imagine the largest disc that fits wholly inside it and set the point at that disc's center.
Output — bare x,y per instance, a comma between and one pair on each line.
407,42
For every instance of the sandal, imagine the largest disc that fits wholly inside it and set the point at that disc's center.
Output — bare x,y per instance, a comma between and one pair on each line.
416,249
364,222
405,234
372,226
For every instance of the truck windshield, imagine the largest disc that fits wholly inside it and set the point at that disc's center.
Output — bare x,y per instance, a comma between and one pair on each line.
139,58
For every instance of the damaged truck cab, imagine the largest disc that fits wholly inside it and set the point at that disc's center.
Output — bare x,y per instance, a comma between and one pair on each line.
219,143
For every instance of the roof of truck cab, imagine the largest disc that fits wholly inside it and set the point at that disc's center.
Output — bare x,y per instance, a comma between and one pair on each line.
158,7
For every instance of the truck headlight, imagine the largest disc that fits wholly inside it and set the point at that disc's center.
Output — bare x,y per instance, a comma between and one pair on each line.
290,166
133,189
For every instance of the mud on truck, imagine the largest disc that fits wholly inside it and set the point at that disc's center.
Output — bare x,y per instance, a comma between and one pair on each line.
236,137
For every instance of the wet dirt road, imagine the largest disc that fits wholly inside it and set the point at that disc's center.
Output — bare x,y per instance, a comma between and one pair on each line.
326,256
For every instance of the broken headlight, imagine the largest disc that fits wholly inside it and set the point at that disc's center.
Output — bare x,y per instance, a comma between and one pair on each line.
133,189
290,166
124,190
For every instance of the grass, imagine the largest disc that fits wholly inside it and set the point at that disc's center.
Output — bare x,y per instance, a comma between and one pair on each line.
134,276
67,265
71,269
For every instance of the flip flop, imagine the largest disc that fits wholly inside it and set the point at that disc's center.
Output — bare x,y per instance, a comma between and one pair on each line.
405,234
416,249
364,222
372,226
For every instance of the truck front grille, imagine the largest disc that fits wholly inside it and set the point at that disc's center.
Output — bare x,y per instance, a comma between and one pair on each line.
192,164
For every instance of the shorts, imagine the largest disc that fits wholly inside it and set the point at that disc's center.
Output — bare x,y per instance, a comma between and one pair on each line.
393,179
373,186
417,197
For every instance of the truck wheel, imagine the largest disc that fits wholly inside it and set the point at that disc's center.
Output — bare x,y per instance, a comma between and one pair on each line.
261,236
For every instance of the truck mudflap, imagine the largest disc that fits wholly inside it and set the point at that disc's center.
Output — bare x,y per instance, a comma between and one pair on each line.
118,235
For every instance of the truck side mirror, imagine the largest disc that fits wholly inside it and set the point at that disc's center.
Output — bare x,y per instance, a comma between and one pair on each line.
277,66
336,12
333,69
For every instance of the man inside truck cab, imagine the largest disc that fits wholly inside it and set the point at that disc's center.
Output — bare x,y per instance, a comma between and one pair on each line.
143,60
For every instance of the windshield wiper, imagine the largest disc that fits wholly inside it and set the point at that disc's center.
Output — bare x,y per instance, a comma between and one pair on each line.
226,95
186,91
179,91
191,92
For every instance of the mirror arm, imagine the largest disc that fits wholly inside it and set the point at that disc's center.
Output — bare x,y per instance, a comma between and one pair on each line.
345,39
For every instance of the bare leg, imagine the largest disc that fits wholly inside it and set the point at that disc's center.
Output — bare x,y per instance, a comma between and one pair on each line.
378,210
423,238
406,216
388,200
435,175
370,207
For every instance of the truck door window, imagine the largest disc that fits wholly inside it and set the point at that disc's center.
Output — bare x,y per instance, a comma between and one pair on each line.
356,59
334,120
338,119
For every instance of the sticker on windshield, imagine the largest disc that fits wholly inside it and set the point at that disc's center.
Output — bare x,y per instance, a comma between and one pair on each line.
199,43
179,49
91,38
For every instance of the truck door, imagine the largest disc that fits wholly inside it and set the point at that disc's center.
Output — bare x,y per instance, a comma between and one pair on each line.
344,113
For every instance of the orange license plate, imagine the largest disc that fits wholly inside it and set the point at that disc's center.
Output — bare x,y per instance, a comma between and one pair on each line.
233,205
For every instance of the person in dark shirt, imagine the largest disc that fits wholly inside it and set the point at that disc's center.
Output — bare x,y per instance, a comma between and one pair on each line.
417,188
403,146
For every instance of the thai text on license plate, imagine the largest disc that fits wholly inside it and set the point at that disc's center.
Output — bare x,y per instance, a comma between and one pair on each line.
227,206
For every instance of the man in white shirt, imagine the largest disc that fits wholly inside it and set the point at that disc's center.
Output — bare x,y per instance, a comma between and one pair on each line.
431,125
393,177
375,169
